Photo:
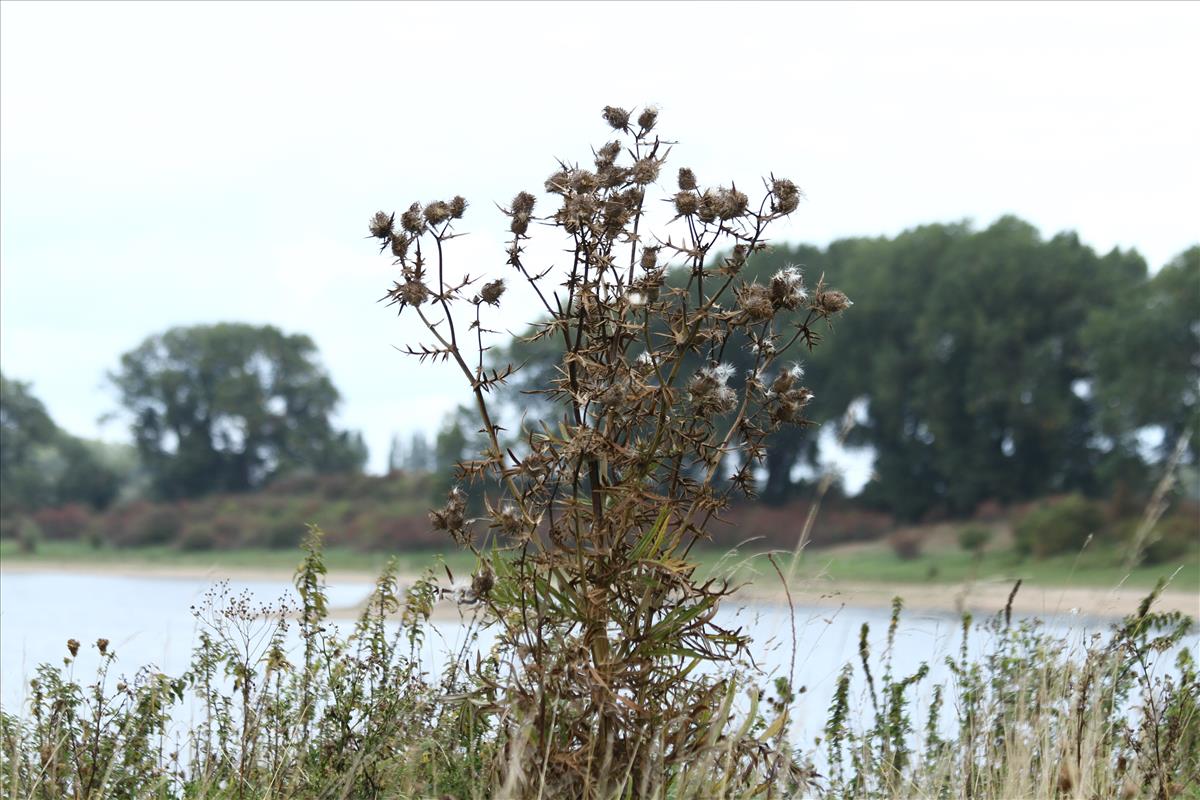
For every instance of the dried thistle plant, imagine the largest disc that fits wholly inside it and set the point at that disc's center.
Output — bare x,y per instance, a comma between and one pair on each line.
589,520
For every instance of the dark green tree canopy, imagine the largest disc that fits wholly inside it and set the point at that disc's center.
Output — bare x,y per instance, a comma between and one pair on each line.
42,465
228,407
1146,357
995,363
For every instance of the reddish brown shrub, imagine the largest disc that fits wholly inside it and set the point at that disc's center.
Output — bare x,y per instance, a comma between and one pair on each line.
63,523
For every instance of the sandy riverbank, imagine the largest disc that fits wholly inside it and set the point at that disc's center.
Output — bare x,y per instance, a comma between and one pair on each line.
979,598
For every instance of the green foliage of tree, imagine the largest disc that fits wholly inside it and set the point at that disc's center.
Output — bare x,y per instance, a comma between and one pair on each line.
1146,357
25,428
228,407
996,364
968,346
42,465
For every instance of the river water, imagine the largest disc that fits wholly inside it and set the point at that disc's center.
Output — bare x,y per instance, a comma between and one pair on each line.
149,621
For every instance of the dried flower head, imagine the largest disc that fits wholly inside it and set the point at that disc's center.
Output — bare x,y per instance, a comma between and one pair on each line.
649,258
451,517
584,181
400,244
785,196
558,182
410,293
585,443
831,302
616,215
736,260
611,176
686,203
707,212
606,155
790,406
647,119
458,206
508,520
520,223
524,202
73,647
102,645
617,117
787,288
645,170
381,224
490,293
687,179
730,203
437,212
482,583
754,300
708,390
412,221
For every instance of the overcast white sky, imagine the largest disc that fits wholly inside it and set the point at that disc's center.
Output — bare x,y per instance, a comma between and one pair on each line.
166,163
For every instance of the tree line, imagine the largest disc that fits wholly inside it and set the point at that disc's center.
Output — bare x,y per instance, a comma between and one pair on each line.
989,365
211,408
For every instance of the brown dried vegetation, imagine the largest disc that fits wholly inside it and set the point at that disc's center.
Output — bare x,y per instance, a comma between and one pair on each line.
589,526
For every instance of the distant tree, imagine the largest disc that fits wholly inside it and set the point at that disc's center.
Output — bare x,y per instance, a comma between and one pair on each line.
42,465
416,458
1146,356
228,407
395,455
420,457
25,429
994,363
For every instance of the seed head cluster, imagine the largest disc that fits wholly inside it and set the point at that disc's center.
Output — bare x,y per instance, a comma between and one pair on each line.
613,472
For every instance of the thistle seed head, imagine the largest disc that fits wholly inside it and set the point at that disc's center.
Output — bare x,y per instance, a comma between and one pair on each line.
647,118
645,170
617,117
451,517
831,302
616,215
400,245
558,182
520,223
785,196
524,202
381,224
730,203
708,390
607,155
509,521
490,293
73,647
649,258
736,260
686,203
612,176
707,212
787,288
584,181
458,206
412,221
410,293
687,179
437,212
754,300
102,645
